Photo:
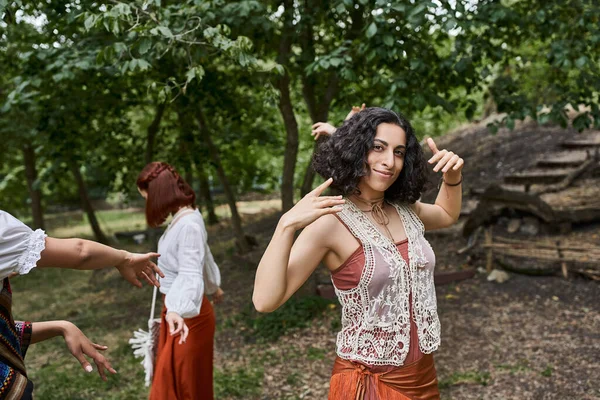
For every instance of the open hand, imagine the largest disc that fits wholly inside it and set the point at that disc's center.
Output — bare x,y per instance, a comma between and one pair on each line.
177,326
313,206
80,346
140,266
449,163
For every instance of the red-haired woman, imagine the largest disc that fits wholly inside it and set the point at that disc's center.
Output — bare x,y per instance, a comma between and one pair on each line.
183,367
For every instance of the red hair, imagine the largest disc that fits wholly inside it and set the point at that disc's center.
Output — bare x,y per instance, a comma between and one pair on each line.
167,192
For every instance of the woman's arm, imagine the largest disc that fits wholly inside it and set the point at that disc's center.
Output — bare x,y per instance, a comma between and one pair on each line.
326,129
446,210
77,343
87,255
286,265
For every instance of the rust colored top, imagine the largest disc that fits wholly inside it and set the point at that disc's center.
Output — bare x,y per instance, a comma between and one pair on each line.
347,276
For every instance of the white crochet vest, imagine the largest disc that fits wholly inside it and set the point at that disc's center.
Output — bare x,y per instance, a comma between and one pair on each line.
375,314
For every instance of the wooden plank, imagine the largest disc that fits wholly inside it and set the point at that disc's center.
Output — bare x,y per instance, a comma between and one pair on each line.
563,159
539,176
589,140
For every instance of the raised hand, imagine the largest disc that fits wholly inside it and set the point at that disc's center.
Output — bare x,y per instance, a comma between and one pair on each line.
81,347
313,206
322,128
355,109
140,266
449,163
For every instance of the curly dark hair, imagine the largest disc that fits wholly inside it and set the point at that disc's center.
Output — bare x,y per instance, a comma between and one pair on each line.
343,156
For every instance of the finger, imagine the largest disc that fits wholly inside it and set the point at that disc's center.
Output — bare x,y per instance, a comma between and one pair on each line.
330,210
321,188
318,135
331,203
437,156
84,362
451,163
149,280
317,125
150,277
184,335
363,106
432,145
178,327
106,364
135,282
171,327
157,270
443,161
459,164
338,197
100,365
99,347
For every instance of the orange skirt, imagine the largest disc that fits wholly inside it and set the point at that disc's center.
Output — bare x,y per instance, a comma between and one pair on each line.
185,371
414,381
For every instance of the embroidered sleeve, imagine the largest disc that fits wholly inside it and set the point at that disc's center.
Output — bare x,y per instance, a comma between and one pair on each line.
24,329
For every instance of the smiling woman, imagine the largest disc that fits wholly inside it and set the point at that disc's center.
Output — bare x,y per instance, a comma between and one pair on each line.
371,239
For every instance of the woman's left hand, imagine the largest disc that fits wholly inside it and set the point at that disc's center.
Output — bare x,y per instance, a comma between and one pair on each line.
177,326
80,346
218,296
446,161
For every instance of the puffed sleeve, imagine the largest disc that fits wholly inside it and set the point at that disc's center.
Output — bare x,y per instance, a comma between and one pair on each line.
212,274
186,293
20,247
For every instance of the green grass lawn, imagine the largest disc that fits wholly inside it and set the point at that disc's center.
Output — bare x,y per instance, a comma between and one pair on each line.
104,306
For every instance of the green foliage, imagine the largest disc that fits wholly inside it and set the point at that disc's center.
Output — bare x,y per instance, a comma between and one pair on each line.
295,313
457,378
242,382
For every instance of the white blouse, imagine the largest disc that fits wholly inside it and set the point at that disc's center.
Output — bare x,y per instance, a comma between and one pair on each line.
189,267
20,247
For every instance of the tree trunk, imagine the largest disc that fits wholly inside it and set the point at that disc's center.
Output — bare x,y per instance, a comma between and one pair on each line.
34,192
319,110
153,130
207,198
287,111
319,113
86,204
236,220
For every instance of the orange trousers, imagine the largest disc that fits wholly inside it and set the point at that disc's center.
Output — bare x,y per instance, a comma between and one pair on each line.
185,371
414,381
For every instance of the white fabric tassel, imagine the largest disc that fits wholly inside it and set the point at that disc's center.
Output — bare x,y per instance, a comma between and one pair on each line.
143,343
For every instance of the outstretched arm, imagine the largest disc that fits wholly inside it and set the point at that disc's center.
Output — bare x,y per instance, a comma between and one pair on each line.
286,265
86,255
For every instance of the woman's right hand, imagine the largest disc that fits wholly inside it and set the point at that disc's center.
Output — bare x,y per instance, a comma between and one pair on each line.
177,326
311,207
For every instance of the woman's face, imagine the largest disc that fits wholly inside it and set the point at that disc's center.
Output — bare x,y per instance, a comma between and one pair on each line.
386,159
